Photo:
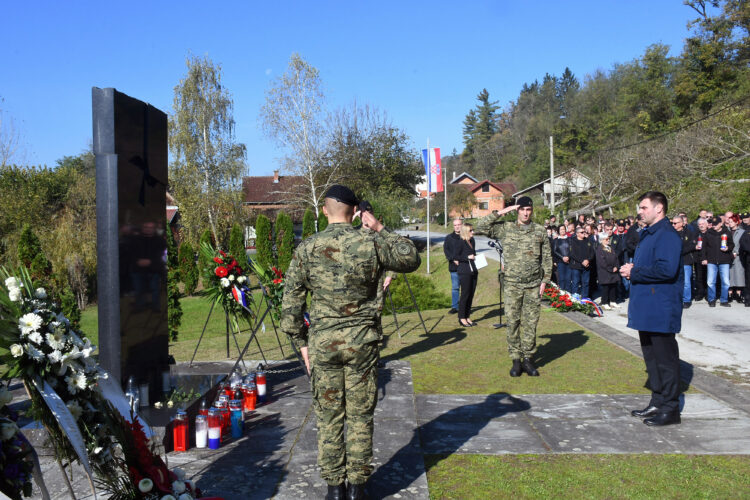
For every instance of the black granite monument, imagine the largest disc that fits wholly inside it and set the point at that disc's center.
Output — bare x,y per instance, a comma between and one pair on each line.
130,145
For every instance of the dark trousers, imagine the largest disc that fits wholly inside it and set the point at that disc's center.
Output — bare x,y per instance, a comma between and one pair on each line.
609,293
662,357
700,281
747,281
468,287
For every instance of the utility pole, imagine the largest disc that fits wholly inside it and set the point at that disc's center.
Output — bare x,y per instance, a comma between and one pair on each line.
551,178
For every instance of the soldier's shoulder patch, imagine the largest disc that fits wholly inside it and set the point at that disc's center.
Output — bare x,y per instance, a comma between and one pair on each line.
403,248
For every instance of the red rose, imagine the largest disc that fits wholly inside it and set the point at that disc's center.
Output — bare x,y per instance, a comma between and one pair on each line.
221,272
218,260
277,281
568,303
223,253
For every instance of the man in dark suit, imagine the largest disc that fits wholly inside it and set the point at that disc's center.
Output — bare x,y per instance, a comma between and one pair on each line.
450,247
655,307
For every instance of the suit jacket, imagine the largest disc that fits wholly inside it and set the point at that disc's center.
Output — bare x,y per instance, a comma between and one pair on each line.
450,246
466,265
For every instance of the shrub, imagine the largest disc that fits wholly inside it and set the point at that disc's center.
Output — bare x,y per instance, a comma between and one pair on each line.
31,256
308,224
284,240
205,266
427,296
237,244
264,252
188,268
69,307
322,221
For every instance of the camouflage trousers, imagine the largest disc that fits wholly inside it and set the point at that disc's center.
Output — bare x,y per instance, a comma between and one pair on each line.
344,382
522,304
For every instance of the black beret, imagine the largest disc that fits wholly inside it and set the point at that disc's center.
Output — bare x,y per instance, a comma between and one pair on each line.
525,201
365,206
342,194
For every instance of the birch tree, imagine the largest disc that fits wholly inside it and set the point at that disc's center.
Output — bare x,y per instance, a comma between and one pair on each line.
293,116
206,173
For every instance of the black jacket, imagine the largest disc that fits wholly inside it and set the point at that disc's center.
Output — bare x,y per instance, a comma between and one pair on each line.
560,248
689,253
711,250
581,250
466,265
617,242
605,262
744,251
450,247
632,238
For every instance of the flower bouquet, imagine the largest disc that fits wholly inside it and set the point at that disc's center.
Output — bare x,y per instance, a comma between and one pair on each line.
272,280
38,346
562,301
15,451
227,285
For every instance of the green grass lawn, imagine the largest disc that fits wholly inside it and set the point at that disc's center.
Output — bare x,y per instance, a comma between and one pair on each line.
588,476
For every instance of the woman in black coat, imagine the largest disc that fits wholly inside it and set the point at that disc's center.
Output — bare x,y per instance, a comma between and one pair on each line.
607,265
467,273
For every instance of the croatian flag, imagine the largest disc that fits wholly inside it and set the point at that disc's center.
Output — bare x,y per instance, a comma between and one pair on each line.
239,295
431,159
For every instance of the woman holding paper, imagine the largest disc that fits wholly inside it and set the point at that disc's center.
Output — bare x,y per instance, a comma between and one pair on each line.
467,273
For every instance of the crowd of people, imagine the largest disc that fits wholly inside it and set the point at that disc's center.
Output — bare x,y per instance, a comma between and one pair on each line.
588,254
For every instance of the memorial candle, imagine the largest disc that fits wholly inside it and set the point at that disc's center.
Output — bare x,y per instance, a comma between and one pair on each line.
180,431
214,429
260,381
201,431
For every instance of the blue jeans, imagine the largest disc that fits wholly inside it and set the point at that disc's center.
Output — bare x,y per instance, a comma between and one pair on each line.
454,290
579,281
687,288
723,270
563,276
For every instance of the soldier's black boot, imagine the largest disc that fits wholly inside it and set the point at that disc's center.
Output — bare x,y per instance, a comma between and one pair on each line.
337,492
529,368
356,492
515,371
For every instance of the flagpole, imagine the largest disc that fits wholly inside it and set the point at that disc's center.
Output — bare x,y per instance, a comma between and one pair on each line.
445,195
429,191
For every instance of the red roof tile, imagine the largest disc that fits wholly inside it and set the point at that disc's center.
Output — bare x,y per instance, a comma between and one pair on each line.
263,190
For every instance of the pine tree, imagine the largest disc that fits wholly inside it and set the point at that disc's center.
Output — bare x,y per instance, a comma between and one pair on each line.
322,221
31,256
69,306
264,252
284,240
187,267
237,245
308,224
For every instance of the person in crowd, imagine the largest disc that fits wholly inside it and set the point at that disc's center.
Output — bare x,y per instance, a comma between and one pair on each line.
745,220
561,250
688,249
593,237
744,255
450,245
581,220
736,268
528,267
701,282
607,270
702,214
717,256
552,220
655,308
570,229
467,273
581,255
618,245
340,347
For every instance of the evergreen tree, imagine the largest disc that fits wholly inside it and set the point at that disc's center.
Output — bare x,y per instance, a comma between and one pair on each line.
188,269
237,245
284,240
173,260
308,224
322,221
69,307
486,121
264,252
174,308
204,264
31,256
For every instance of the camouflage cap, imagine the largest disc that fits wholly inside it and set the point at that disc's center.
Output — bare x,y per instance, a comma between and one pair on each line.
342,194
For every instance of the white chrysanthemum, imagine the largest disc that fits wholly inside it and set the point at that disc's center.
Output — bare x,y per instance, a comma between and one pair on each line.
40,293
14,294
11,282
224,282
231,277
36,338
75,409
16,350
29,322
76,382
55,356
241,279
8,430
34,353
56,340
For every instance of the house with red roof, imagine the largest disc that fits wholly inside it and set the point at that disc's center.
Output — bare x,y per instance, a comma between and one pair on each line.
269,194
490,195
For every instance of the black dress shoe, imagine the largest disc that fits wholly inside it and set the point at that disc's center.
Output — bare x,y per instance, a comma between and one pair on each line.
529,368
452,310
686,305
356,492
648,411
711,303
663,419
337,492
516,370
725,304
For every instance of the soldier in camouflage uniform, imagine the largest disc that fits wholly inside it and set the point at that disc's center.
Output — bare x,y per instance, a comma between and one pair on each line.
528,266
341,269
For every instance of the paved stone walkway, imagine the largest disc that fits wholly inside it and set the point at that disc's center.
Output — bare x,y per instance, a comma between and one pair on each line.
277,456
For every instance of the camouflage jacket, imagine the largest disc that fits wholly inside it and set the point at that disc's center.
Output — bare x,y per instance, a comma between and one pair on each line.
526,251
342,268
